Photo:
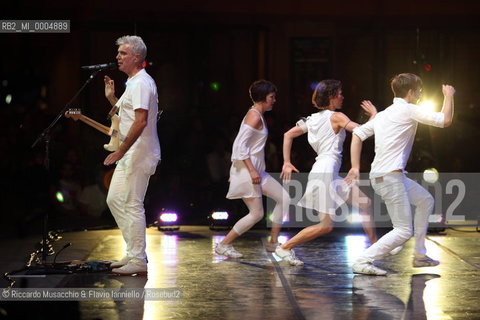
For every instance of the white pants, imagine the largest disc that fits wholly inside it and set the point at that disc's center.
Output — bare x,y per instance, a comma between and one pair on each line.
273,189
125,200
399,193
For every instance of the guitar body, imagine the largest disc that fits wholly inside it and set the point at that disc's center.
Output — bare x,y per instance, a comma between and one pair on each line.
114,138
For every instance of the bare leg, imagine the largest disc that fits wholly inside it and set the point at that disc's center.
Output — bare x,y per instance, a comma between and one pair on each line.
360,200
310,233
274,232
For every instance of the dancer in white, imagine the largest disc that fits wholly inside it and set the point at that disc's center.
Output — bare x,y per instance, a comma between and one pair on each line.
137,156
394,130
248,179
325,190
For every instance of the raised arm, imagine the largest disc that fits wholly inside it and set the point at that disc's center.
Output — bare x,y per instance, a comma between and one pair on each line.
110,90
440,119
340,120
447,109
288,167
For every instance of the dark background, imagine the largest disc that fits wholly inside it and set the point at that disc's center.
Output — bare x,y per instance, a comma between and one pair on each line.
203,56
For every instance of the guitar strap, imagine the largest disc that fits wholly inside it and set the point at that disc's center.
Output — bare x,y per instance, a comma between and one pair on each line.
112,112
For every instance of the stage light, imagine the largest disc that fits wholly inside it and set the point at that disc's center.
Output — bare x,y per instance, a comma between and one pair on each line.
167,221
430,175
285,218
427,67
215,86
220,215
59,197
270,217
283,239
435,218
313,85
427,104
8,99
436,223
168,217
218,220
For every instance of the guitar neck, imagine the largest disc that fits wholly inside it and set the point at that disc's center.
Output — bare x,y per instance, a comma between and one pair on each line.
94,124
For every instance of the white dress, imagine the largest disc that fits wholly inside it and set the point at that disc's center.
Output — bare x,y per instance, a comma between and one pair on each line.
325,190
249,143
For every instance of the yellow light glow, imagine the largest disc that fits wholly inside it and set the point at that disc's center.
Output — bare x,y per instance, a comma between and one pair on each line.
428,105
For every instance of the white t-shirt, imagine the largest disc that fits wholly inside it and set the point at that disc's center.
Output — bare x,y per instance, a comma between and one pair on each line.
140,93
394,130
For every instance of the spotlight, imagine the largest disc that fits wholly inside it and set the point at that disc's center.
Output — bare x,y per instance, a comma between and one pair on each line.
428,105
215,86
218,220
436,223
59,197
430,175
167,221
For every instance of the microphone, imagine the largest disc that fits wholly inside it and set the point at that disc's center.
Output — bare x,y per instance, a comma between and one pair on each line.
104,66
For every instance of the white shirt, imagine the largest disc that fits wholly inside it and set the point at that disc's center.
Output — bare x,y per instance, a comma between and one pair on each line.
394,130
321,135
140,93
249,141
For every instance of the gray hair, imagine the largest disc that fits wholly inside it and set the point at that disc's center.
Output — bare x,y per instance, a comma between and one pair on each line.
136,43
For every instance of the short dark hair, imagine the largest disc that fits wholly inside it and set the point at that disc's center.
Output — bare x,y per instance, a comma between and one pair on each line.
260,89
403,82
325,90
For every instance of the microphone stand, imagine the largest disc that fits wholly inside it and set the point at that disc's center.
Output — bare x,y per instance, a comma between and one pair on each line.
45,136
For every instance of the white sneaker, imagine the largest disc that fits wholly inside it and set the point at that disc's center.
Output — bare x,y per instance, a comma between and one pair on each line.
133,267
120,263
368,268
396,250
270,246
289,256
227,250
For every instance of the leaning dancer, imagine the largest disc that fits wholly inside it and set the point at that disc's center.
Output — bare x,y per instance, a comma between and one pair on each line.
325,191
248,179
394,130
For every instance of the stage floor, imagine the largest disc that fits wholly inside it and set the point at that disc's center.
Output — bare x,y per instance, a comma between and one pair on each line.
258,286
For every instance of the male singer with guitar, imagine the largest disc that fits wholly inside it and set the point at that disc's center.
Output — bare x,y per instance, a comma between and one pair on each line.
137,156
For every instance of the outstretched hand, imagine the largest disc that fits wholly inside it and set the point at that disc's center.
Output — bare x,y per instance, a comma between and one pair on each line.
369,108
286,174
352,177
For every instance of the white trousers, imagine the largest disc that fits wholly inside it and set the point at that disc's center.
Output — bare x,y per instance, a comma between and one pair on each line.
125,200
399,193
272,189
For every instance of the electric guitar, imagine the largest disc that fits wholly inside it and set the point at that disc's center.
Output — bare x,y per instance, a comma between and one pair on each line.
115,136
